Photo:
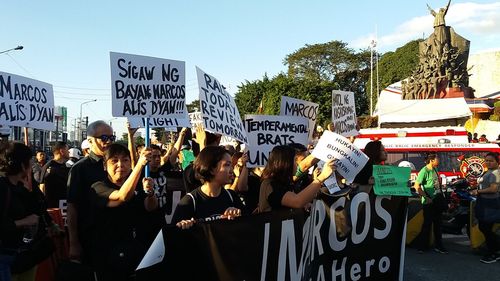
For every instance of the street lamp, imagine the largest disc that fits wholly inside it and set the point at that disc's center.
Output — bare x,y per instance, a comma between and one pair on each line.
18,48
80,127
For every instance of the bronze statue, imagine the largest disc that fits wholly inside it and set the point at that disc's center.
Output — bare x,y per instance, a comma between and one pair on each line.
439,16
442,62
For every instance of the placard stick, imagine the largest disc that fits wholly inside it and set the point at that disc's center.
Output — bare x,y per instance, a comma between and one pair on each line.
26,140
146,169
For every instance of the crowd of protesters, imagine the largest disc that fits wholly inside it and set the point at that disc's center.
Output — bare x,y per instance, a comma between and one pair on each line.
114,211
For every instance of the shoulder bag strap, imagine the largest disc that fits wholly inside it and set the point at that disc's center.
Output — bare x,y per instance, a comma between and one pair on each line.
194,201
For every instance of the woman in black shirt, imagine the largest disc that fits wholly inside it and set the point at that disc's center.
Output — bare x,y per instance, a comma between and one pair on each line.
118,203
211,200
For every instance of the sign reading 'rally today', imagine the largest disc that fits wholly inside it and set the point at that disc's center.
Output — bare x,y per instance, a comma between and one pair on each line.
344,113
297,107
219,112
26,102
147,87
267,131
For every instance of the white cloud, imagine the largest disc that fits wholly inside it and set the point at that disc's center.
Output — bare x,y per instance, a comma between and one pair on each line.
473,19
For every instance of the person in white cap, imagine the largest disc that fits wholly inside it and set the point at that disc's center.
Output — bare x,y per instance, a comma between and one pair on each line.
74,156
85,147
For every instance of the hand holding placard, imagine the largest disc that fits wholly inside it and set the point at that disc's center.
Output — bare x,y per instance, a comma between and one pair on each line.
348,158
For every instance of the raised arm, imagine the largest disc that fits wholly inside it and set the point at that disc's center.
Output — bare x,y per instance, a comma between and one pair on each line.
447,6
299,200
431,10
306,163
177,146
131,144
126,191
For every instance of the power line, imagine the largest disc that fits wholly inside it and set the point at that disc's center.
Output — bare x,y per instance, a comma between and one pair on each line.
80,88
20,66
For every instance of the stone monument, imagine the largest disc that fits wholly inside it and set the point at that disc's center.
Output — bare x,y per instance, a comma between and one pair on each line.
442,71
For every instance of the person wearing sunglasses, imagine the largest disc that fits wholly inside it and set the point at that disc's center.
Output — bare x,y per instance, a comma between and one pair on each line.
81,177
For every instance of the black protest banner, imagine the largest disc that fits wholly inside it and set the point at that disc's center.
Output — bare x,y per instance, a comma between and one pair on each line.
301,108
218,110
342,239
147,87
267,131
344,113
26,102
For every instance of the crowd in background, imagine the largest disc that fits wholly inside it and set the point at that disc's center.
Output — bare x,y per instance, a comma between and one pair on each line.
114,211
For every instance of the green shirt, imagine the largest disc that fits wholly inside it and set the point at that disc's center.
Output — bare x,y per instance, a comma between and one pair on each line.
429,182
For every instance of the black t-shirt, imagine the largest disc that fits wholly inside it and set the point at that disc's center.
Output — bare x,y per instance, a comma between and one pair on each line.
81,177
276,196
168,190
17,202
252,194
55,178
205,206
364,175
115,230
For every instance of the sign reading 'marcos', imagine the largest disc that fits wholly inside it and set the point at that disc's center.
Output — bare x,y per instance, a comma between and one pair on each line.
26,102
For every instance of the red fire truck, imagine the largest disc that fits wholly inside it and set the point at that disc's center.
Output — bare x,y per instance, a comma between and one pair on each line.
457,157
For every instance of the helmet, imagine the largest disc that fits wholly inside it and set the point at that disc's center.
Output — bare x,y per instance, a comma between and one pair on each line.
75,153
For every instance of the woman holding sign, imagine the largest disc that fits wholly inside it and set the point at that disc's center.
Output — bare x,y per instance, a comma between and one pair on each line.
377,156
276,190
210,201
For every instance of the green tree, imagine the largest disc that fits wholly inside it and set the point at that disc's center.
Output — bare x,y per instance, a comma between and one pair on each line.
159,132
395,66
270,91
333,62
193,106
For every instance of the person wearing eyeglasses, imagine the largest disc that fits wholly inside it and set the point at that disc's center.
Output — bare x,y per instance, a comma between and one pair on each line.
81,177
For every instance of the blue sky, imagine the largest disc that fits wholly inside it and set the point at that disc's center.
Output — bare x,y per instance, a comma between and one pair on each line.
67,43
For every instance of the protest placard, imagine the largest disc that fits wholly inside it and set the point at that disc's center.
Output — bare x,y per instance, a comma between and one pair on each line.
267,131
302,108
195,119
348,158
147,87
218,110
391,180
26,102
344,113
170,124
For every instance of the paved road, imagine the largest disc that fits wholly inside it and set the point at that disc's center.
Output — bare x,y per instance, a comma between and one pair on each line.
462,263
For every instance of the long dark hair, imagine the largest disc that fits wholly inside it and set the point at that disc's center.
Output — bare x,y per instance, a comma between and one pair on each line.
279,166
14,156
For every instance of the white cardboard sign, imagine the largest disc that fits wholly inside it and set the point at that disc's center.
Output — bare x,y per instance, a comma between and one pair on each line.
147,87
26,102
267,131
344,113
218,110
348,158
302,108
170,124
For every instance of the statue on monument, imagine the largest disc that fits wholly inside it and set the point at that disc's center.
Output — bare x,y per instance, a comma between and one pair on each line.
439,16
442,65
